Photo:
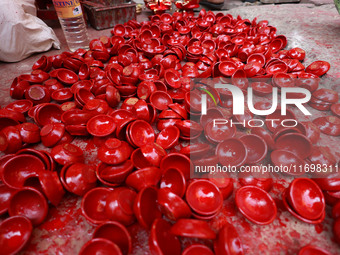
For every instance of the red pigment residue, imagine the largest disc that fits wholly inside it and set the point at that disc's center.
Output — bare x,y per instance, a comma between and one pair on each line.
246,225
294,234
229,208
318,228
55,221
281,223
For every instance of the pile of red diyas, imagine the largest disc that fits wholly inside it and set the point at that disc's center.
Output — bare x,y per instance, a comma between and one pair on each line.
132,93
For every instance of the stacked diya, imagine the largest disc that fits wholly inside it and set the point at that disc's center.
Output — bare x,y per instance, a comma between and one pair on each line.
305,201
323,99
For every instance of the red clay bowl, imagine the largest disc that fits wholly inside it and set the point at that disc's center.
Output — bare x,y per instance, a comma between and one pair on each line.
93,205
296,143
11,140
171,205
298,216
329,125
51,186
256,148
67,77
5,195
100,246
67,153
231,152
172,78
160,100
15,232
78,178
262,88
141,133
153,153
326,95
178,161
287,159
29,132
62,95
101,125
219,132
75,117
313,250
51,134
195,249
119,205
145,207
162,241
227,68
179,110
173,179
116,233
267,137
204,197
114,151
48,114
195,150
168,137
38,94
30,203
306,198
20,106
228,241
144,177
256,205
138,159
312,131
113,175
193,228
258,179
20,168
318,68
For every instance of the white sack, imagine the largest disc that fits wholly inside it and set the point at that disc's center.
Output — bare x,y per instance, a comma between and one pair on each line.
21,32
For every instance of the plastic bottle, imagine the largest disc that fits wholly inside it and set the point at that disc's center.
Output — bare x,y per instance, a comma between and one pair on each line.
72,22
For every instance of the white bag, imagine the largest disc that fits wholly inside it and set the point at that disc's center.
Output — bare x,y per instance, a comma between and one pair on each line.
21,32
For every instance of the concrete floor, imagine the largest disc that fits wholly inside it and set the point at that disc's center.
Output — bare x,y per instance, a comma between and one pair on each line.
315,27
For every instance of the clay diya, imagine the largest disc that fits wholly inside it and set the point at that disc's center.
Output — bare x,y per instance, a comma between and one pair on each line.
267,137
228,241
114,151
48,114
173,179
15,232
231,152
51,134
141,133
168,137
197,249
288,159
257,178
171,205
160,100
5,196
204,197
10,139
178,161
116,233
318,68
67,153
162,241
93,205
256,205
216,133
100,246
256,148
153,153
310,250
193,228
29,132
119,205
145,207
144,177
67,77
18,169
101,125
38,94
20,106
78,178
113,175
295,143
30,203
329,125
298,216
51,186
306,198
335,108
